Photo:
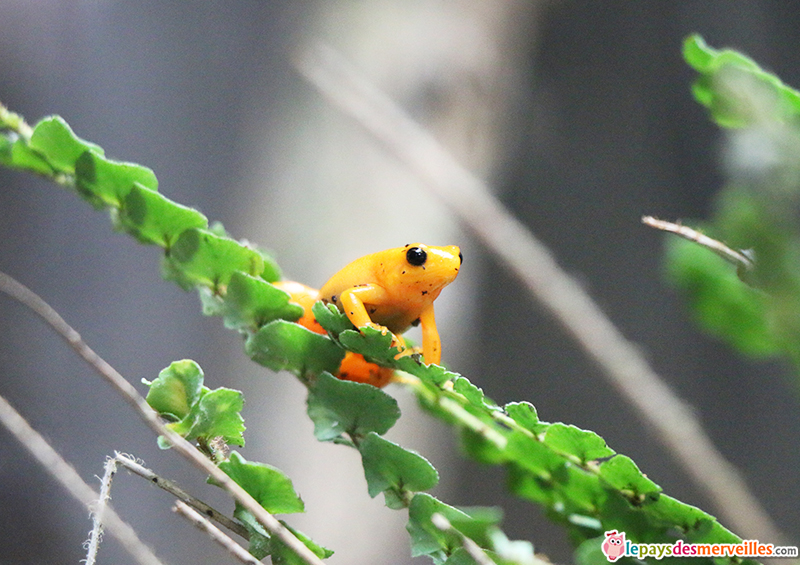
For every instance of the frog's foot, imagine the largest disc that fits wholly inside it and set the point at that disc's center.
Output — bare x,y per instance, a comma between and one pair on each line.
415,352
397,341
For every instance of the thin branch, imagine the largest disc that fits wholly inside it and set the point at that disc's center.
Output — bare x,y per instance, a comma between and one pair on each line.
69,478
529,259
96,535
215,533
181,495
24,295
738,258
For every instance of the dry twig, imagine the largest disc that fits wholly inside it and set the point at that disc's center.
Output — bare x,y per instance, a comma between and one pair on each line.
24,295
214,533
69,478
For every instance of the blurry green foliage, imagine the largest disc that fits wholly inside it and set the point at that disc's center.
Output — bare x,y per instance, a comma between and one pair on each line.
757,210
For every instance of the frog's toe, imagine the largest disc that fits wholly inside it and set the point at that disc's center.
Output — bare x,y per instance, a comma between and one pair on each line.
414,352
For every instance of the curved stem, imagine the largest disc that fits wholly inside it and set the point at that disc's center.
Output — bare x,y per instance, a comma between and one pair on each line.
25,296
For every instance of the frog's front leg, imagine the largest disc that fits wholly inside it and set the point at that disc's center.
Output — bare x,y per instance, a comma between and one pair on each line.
353,302
431,342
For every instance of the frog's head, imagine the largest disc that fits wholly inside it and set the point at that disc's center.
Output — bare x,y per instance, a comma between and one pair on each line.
426,268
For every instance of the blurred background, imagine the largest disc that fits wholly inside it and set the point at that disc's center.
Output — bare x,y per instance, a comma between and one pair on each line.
578,114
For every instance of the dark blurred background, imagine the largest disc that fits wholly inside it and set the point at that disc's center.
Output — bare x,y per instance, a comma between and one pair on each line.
579,114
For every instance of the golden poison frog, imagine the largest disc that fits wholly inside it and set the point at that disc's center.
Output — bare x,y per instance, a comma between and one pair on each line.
391,291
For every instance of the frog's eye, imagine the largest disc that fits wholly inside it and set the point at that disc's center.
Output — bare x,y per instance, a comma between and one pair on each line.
416,256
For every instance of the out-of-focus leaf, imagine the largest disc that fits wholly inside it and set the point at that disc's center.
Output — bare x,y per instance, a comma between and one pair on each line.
721,302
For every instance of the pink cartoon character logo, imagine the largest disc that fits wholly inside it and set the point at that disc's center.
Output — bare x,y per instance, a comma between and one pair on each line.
614,545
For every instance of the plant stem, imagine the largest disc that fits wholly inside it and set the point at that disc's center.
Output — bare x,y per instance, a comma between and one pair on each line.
99,512
28,298
69,478
214,533
181,495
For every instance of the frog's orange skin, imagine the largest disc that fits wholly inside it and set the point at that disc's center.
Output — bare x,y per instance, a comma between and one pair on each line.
391,290
395,289
354,367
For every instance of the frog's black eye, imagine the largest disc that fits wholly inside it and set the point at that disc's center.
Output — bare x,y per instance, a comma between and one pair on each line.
416,256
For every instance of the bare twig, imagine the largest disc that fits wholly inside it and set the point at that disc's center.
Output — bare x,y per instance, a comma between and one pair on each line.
69,478
215,533
24,295
472,201
736,257
181,495
96,535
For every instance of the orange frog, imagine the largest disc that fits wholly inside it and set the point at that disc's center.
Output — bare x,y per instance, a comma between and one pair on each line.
390,291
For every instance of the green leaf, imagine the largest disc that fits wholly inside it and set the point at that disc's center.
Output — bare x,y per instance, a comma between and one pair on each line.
20,156
216,414
176,389
262,544
104,182
54,140
259,544
387,466
376,348
622,473
581,444
203,258
337,407
427,539
473,394
578,495
524,414
478,523
481,449
153,218
178,394
271,488
722,304
534,456
331,319
671,512
6,143
251,302
271,272
590,552
282,555
282,345
735,89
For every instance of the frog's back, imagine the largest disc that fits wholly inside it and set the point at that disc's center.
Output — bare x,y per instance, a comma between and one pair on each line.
364,270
